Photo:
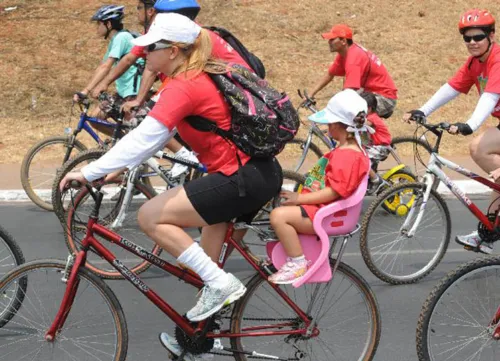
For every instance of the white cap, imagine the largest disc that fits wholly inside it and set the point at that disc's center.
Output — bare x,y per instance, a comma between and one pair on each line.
171,27
342,108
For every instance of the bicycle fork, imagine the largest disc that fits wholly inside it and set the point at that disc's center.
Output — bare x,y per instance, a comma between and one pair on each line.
428,180
73,266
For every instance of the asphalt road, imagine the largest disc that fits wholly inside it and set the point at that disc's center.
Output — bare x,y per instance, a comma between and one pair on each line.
39,235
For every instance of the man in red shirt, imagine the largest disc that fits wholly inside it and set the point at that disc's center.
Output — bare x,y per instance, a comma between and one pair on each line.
361,68
482,70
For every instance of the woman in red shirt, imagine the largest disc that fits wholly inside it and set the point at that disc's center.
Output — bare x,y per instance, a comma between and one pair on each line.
181,49
336,175
481,69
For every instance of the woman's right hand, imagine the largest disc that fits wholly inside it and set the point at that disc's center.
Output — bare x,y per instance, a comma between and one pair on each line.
68,178
413,115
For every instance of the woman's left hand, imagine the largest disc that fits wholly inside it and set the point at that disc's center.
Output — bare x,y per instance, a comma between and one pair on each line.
291,198
72,176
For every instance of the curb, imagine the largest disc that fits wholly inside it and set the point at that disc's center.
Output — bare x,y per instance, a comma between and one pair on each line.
18,195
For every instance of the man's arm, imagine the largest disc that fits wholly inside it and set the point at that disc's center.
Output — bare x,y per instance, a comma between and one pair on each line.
147,81
321,84
126,62
99,74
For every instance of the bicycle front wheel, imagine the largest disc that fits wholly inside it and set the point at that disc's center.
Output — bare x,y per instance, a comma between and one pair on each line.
456,319
388,250
76,226
10,257
344,310
295,156
40,166
95,328
61,200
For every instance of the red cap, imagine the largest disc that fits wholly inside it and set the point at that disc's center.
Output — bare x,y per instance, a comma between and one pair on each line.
338,31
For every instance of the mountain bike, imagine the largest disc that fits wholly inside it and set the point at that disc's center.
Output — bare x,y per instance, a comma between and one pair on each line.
405,246
69,313
460,318
41,162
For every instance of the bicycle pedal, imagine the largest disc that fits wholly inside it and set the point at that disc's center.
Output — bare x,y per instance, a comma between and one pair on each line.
473,249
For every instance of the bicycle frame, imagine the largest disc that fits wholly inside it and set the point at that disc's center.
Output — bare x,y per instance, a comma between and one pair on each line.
78,261
436,162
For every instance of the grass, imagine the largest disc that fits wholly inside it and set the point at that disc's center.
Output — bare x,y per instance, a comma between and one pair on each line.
51,49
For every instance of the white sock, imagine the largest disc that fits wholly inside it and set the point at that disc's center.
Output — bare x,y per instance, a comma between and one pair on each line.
195,258
298,259
182,151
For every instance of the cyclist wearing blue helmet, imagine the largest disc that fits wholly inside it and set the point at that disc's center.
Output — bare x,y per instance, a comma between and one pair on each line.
109,20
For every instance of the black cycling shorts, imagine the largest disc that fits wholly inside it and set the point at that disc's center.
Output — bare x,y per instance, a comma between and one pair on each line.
216,196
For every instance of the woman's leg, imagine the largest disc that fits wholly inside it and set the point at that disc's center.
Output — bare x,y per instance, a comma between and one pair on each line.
162,218
485,151
287,222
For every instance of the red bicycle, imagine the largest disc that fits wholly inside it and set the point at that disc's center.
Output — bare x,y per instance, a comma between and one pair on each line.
68,313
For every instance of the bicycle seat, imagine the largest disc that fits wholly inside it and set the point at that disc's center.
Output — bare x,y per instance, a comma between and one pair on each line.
338,219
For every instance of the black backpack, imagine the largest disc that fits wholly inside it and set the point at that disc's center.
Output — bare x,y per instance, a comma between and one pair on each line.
250,58
263,120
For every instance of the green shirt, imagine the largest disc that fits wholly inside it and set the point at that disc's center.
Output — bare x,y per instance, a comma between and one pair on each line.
119,46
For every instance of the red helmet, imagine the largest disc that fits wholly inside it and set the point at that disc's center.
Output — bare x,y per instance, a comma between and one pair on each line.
476,18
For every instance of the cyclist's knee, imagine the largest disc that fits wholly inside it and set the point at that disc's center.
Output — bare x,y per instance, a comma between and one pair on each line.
277,216
146,218
475,149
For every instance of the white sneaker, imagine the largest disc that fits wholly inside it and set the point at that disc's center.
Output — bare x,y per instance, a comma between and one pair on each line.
473,240
170,343
178,168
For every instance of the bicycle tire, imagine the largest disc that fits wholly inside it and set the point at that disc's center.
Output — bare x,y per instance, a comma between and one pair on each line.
86,156
58,266
27,162
370,214
256,281
71,243
7,314
301,142
418,141
444,288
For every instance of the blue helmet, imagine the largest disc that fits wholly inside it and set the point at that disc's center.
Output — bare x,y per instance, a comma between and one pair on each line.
189,8
109,12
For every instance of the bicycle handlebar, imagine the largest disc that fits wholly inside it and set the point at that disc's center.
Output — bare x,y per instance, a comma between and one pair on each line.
309,103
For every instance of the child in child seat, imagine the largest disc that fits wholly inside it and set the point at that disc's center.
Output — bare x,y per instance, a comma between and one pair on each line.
379,142
336,175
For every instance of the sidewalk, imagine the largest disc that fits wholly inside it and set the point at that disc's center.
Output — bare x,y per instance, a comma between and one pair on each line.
11,189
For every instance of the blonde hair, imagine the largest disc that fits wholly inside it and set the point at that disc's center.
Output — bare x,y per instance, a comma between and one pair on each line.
198,56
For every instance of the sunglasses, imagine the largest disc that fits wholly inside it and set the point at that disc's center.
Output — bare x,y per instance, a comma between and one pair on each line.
476,38
158,46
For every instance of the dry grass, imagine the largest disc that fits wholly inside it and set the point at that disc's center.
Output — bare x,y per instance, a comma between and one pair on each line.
49,49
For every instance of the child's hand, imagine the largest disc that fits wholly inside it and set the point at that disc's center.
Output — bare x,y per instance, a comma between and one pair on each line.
291,198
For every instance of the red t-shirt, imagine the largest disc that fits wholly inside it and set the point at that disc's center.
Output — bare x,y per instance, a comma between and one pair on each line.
486,76
382,136
363,69
341,169
186,95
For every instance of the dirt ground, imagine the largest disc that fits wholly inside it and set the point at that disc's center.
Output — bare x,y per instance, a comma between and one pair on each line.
49,49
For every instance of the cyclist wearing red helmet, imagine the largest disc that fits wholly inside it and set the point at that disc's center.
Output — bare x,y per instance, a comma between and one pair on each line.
481,69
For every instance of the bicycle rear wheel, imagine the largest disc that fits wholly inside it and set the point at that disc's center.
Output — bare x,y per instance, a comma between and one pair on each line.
388,251
10,257
455,320
345,311
40,166
95,328
76,226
